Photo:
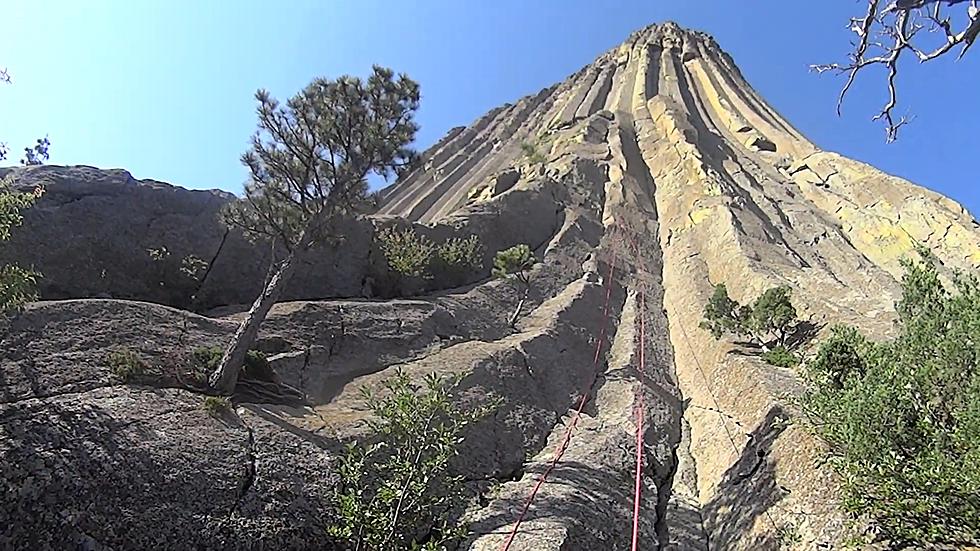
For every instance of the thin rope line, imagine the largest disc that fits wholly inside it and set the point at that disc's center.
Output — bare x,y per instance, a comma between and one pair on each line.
578,412
711,393
639,421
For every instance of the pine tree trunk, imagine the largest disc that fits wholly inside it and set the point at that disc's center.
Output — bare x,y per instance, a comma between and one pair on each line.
520,306
761,341
225,376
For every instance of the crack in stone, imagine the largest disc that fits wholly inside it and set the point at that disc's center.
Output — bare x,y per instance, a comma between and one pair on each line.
249,480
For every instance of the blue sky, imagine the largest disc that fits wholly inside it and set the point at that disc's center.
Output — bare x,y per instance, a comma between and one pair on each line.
164,88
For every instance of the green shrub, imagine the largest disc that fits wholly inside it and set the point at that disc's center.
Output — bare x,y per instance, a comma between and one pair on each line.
17,285
206,359
902,417
723,315
788,536
407,253
256,362
840,358
126,365
256,358
769,322
773,313
203,361
461,254
398,493
216,405
530,151
515,264
780,356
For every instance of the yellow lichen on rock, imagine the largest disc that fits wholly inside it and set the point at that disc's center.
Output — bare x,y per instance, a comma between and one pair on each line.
699,215
887,242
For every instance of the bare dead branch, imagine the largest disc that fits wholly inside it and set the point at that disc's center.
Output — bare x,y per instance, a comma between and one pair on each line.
884,34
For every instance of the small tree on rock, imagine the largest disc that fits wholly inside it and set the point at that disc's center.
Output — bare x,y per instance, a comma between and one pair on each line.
773,313
515,265
724,315
309,163
770,320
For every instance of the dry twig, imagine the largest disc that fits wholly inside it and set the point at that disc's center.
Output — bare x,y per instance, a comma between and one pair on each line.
884,34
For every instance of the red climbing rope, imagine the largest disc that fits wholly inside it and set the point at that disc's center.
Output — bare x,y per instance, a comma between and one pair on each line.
578,412
642,301
638,405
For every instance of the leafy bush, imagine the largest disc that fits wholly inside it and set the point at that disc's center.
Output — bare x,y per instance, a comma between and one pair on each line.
256,362
780,356
461,254
126,365
530,151
398,493
773,313
788,536
723,315
17,285
216,405
205,359
770,319
515,264
902,417
408,254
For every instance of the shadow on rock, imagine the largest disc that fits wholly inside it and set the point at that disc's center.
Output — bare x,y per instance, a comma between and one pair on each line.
748,491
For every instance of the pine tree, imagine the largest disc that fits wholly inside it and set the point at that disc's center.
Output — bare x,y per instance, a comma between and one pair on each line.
770,318
515,264
309,163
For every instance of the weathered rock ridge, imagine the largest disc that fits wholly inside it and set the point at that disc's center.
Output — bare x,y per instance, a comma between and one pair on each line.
640,181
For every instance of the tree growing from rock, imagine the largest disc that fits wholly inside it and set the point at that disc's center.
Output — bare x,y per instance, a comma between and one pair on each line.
407,253
17,285
460,254
902,416
768,322
411,255
308,163
398,493
888,31
514,264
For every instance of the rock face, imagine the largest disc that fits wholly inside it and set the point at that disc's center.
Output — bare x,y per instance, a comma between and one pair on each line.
639,181
101,233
